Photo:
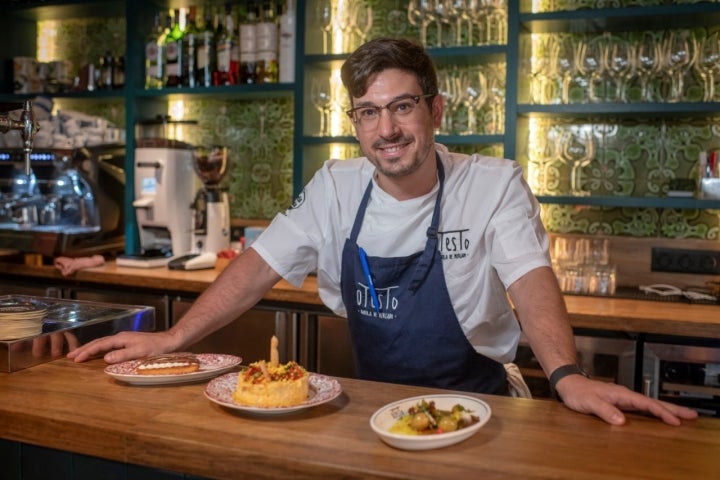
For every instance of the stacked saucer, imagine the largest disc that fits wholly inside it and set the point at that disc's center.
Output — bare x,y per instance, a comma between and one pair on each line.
20,319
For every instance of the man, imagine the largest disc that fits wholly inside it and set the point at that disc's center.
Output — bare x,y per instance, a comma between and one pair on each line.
418,248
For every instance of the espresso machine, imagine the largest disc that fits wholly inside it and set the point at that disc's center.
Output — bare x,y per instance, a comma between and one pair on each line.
210,209
165,186
59,201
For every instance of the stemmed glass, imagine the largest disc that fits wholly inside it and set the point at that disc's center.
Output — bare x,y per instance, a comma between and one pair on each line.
496,30
563,63
496,100
456,16
419,15
473,84
577,147
648,62
708,63
449,91
620,64
477,13
540,68
678,58
322,100
324,14
361,22
591,63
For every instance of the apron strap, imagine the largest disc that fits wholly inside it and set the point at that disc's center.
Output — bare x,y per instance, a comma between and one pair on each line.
428,256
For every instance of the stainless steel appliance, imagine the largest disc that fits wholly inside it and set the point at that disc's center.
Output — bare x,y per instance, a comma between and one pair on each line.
164,190
83,321
71,203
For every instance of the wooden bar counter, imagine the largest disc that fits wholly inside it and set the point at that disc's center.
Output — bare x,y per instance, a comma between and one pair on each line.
598,313
78,408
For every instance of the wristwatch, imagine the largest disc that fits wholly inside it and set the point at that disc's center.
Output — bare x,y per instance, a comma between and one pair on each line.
562,372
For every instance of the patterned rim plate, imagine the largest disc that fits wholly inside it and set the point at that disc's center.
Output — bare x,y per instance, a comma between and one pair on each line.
322,390
211,365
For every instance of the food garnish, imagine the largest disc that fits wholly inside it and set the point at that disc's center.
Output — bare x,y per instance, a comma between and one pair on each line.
426,419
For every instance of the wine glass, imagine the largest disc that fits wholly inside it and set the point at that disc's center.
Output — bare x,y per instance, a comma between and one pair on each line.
564,64
496,100
455,15
473,84
322,100
540,69
324,14
449,91
578,147
707,64
591,63
496,31
361,22
648,62
678,57
419,16
620,64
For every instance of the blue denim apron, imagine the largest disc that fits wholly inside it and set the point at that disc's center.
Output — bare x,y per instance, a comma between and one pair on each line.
415,337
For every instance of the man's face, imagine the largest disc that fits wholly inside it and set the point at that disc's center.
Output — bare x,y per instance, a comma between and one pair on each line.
397,144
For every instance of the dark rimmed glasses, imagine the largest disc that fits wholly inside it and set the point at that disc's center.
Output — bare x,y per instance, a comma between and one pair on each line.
367,117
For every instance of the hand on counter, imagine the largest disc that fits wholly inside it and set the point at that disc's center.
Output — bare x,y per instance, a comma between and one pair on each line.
125,346
608,400
68,266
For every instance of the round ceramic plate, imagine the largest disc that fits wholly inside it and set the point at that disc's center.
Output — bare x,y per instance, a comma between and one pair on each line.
384,418
211,365
322,390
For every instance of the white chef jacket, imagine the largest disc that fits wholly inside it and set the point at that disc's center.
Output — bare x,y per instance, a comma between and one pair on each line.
490,235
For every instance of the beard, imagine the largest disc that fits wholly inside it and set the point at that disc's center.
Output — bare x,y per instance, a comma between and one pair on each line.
401,165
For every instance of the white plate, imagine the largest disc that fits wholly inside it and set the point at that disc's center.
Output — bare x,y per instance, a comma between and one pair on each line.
322,390
211,365
384,418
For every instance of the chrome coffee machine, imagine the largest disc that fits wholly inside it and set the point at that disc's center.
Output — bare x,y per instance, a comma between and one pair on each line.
165,186
70,204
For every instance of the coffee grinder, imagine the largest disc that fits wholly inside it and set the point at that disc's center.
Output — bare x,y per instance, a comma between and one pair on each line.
210,209
164,189
211,206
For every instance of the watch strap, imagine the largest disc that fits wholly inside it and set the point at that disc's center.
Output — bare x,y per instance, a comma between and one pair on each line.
562,372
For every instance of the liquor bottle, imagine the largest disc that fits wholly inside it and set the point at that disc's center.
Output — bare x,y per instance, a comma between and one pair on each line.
105,79
154,55
118,79
223,74
190,40
286,50
267,44
205,55
248,45
174,53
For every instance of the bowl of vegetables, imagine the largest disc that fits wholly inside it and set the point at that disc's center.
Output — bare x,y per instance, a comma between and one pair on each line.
430,421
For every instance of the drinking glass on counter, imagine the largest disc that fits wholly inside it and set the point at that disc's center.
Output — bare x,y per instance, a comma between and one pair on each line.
582,266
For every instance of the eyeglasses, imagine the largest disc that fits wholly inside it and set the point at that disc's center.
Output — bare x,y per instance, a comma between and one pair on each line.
368,116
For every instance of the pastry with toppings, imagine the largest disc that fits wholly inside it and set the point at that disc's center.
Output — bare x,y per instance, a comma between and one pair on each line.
168,365
271,384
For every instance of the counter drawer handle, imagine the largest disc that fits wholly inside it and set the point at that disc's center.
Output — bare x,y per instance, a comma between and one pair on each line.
149,164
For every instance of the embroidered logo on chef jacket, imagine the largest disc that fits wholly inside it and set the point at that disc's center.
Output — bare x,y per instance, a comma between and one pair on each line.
299,200
453,244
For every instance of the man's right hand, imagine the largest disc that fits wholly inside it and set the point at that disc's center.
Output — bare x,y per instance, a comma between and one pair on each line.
125,346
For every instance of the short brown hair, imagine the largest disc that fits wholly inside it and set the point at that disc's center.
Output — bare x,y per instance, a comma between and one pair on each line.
384,53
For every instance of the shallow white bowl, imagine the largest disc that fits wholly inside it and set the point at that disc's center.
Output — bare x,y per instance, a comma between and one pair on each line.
385,417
